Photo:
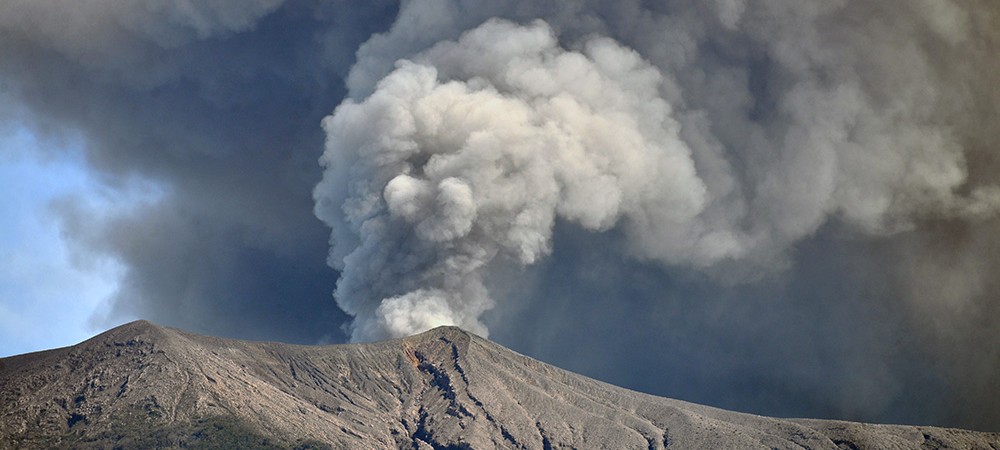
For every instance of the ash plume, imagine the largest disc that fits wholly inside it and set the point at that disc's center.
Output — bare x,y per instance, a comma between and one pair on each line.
468,149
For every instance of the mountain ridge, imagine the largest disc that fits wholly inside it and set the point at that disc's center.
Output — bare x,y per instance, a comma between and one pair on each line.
143,385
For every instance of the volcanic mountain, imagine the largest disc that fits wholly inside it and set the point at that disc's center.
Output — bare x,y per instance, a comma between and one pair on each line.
146,386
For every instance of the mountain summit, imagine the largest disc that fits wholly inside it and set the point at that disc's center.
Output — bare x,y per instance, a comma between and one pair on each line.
145,386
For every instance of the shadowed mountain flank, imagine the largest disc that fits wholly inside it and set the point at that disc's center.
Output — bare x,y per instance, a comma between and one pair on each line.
145,386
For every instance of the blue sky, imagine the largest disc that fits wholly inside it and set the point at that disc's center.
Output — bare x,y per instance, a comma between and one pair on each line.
48,297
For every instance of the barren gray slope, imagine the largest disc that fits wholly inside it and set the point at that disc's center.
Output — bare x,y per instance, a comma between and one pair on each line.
141,386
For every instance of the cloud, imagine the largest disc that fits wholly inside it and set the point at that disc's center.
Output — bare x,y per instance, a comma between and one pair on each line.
219,104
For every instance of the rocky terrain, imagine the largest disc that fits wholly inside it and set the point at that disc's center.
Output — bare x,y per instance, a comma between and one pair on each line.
145,386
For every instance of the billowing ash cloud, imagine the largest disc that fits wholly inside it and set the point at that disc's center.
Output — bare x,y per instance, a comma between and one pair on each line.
471,152
777,206
464,154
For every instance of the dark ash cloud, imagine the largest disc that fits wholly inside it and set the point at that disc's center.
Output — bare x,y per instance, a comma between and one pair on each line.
774,206
219,105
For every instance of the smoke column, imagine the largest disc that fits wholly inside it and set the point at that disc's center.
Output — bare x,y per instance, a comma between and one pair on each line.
468,149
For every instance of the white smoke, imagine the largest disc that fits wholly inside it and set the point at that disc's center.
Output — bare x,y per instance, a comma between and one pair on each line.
467,152
473,149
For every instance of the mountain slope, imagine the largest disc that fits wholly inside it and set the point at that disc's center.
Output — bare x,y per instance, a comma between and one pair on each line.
140,385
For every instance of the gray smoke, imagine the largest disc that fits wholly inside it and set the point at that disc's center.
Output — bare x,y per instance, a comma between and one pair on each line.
216,104
476,139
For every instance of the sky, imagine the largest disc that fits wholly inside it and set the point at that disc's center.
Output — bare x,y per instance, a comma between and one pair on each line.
781,207
41,281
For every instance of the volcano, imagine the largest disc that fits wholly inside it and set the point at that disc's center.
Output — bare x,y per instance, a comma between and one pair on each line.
146,386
